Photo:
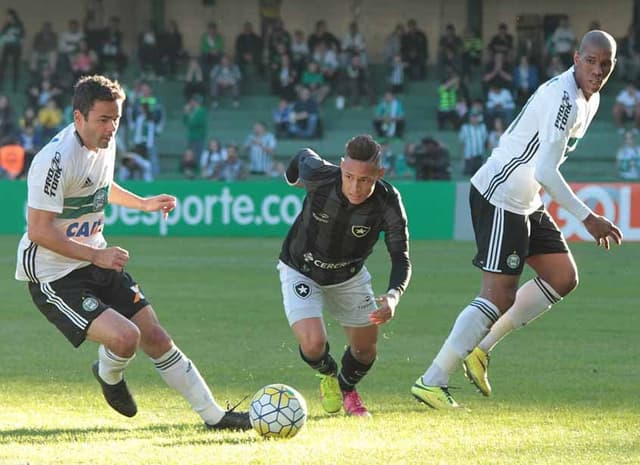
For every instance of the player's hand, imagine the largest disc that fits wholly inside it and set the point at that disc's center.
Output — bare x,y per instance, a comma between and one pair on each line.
602,230
386,309
111,258
162,202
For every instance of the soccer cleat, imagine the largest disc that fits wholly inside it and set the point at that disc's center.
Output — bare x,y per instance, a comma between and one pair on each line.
233,421
476,367
330,394
436,397
117,395
353,405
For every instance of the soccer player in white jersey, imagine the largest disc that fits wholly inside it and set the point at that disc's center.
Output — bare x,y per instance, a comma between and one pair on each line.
512,226
76,280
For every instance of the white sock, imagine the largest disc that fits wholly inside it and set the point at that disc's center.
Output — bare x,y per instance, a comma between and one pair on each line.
533,299
182,375
111,366
470,327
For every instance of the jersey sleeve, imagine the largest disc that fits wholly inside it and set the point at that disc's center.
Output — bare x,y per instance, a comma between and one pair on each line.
45,182
310,169
396,236
556,120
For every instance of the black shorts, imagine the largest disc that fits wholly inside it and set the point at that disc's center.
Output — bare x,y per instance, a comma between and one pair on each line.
505,239
72,302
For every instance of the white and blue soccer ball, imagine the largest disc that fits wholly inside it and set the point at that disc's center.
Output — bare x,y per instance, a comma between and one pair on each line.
277,411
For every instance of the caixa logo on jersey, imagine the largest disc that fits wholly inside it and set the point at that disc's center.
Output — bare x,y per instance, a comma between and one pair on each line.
53,175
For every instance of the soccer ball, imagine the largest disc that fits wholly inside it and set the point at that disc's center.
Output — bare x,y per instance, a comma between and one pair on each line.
277,411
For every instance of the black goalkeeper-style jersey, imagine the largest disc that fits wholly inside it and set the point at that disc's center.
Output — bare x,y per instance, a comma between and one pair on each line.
331,238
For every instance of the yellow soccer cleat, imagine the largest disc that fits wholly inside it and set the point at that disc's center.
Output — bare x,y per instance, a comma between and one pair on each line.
436,397
476,367
330,393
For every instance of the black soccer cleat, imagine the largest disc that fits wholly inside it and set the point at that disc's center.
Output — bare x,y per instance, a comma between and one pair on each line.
232,421
117,395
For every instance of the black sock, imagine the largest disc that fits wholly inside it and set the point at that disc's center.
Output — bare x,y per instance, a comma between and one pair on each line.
352,371
325,364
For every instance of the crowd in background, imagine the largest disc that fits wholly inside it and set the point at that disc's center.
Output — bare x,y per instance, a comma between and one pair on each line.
304,69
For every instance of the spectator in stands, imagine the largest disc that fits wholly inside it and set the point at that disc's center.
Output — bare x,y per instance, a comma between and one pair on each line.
387,158
498,73
49,119
430,160
211,48
448,97
68,45
525,79
627,108
474,137
45,47
188,165
12,160
355,83
277,41
562,43
84,61
322,35
305,116
7,120
555,67
269,15
472,48
12,34
393,44
495,134
389,118
195,119
172,50
93,27
628,159
450,48
327,59
149,52
353,43
628,66
500,104
211,158
283,116
502,43
299,51
402,167
315,82
194,79
286,79
249,50
415,51
144,132
110,51
225,76
395,77
260,145
232,168
134,166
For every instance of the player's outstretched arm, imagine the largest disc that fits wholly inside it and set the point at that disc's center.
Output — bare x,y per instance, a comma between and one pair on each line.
120,196
602,230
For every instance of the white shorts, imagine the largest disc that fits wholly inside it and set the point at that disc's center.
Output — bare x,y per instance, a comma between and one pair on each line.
349,302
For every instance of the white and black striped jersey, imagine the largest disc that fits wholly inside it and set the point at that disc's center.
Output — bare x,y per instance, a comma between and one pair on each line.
331,238
532,148
69,179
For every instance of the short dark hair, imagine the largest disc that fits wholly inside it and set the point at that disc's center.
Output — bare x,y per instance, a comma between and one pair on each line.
364,148
88,89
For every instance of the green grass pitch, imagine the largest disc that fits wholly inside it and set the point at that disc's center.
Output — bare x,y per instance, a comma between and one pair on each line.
565,388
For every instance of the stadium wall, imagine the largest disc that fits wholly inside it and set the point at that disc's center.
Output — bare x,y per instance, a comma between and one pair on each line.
437,210
377,18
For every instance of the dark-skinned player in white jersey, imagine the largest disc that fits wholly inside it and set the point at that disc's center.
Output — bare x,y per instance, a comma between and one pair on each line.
512,226
322,264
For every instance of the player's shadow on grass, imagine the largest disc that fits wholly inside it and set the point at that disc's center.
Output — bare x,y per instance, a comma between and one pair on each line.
110,433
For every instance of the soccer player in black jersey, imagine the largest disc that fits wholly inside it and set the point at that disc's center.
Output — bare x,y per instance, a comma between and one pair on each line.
322,264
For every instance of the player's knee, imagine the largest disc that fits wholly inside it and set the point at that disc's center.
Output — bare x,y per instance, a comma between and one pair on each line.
313,346
568,284
126,342
156,340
